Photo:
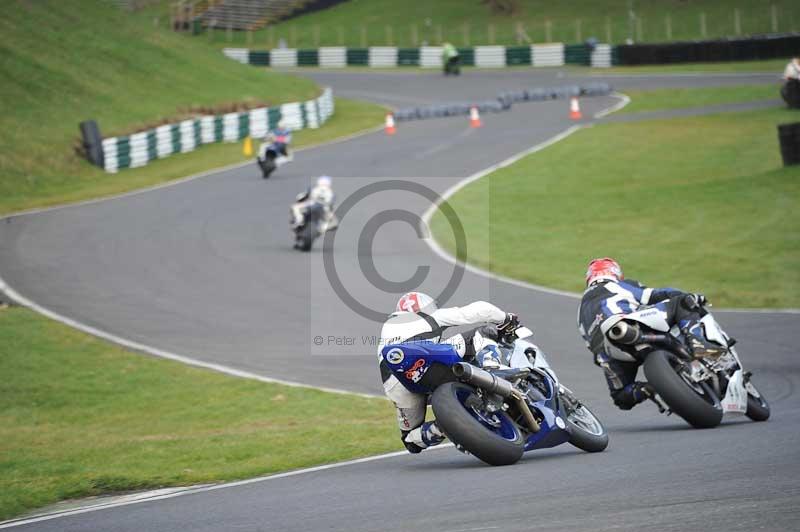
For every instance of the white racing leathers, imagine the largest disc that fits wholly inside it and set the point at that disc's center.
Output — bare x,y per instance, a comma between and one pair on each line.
408,327
316,194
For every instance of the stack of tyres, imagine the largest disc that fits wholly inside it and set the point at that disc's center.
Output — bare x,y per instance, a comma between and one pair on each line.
789,136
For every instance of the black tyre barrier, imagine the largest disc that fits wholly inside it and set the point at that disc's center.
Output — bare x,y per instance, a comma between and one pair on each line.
503,101
92,142
789,137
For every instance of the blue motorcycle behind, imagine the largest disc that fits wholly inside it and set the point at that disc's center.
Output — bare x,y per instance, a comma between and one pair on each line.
497,415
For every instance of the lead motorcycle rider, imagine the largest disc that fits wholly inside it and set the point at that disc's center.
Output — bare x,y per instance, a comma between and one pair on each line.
609,295
417,318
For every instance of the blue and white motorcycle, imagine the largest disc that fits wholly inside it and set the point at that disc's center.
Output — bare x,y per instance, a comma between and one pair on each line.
696,371
497,415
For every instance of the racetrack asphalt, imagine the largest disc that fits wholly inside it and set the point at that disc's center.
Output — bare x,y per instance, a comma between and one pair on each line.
205,269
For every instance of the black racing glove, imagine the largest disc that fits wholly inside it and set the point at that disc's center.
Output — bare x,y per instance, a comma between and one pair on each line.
505,331
694,301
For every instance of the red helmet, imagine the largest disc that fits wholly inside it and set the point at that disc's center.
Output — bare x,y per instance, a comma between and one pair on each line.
603,269
414,302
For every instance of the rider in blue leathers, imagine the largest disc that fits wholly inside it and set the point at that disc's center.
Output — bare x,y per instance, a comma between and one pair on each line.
608,295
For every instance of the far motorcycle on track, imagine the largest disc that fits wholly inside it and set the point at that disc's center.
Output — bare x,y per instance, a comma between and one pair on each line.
695,371
497,415
310,226
271,155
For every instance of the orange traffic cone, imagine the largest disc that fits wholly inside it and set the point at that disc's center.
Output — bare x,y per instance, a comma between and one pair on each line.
474,117
390,129
574,109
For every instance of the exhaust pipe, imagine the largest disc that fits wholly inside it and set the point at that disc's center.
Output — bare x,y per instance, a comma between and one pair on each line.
483,379
493,384
625,333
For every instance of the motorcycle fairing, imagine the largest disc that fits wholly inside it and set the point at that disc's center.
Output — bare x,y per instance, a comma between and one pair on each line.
410,362
735,399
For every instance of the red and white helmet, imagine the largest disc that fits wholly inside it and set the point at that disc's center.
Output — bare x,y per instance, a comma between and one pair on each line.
415,302
603,269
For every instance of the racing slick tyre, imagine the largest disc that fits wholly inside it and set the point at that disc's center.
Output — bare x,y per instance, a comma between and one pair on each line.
586,432
695,402
267,167
757,406
493,437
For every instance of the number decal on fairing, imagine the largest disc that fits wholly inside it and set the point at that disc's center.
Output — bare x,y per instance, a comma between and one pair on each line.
621,297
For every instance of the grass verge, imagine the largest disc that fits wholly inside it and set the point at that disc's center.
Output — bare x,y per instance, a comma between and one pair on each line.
663,99
701,203
65,61
81,417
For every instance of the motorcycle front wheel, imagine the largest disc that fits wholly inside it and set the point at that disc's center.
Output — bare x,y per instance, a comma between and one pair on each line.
493,437
757,405
586,432
695,402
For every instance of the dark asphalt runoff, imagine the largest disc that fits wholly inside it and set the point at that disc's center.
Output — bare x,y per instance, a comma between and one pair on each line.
205,269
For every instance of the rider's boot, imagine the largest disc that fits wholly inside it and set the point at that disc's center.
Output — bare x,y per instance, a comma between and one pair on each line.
426,435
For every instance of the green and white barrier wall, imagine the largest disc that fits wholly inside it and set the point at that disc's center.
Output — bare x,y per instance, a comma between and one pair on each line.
555,54
141,148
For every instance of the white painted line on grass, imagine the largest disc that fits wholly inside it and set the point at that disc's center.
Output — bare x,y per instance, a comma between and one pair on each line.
624,101
447,194
171,493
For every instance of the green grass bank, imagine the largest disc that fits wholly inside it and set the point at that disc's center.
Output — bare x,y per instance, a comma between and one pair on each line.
65,61
701,203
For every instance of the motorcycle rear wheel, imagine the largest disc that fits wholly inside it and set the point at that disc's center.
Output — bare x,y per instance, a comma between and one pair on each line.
699,407
267,167
462,426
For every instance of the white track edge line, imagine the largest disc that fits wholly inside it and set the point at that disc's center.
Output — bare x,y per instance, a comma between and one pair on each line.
625,100
143,497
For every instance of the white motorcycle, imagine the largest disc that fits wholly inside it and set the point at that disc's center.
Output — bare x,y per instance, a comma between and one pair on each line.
696,372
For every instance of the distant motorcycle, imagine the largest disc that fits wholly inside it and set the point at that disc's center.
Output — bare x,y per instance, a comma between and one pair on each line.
498,415
310,227
697,375
272,154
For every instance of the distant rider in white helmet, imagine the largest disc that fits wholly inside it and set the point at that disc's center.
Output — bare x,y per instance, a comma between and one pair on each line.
417,318
321,193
